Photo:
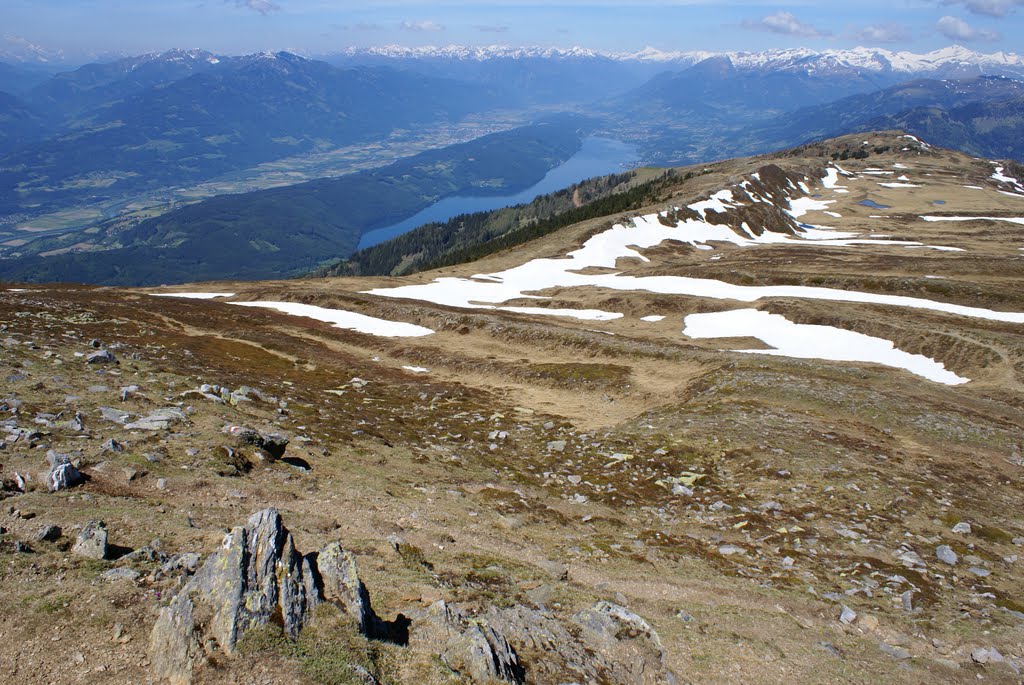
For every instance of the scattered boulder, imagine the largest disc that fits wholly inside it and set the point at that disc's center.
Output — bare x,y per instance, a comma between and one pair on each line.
112,445
122,573
963,528
159,420
92,541
271,446
946,555
49,533
847,615
114,415
62,474
101,357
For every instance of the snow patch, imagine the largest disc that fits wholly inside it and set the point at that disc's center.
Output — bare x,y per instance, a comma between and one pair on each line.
805,341
1012,220
653,318
194,296
345,319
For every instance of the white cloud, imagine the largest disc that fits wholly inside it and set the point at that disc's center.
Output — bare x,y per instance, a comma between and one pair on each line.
958,29
261,6
882,33
420,26
990,8
785,23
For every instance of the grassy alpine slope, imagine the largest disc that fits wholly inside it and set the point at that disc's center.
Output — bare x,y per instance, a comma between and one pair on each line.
773,518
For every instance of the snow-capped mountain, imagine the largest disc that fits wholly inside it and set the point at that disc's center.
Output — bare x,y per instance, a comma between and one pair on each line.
472,53
954,60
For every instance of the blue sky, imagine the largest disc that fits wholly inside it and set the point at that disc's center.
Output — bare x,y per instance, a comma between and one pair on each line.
319,26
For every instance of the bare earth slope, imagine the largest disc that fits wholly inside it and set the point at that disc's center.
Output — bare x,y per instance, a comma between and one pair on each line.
781,425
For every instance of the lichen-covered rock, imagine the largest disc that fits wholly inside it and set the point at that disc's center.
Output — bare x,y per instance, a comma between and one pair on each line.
257,576
174,643
469,647
92,541
271,446
101,357
626,641
341,584
159,420
604,644
62,474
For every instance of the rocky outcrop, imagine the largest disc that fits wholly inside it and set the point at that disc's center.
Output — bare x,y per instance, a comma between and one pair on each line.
604,644
626,643
259,578
256,578
469,647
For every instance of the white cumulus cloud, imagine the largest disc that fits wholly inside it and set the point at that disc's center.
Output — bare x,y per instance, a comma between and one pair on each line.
261,6
991,8
958,29
420,26
785,23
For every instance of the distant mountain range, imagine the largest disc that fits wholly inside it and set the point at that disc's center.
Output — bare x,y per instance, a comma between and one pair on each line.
952,61
158,120
97,137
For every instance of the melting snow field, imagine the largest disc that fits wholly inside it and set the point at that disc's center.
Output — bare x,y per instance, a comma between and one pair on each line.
347,320
622,242
974,218
813,342
654,318
194,296
352,321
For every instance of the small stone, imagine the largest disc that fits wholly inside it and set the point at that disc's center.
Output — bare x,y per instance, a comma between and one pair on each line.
848,615
681,490
161,483
101,357
895,652
575,480
728,550
92,541
980,655
114,415
980,572
963,528
557,446
787,562
116,574
868,623
946,555
557,570
49,533
112,445
907,600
